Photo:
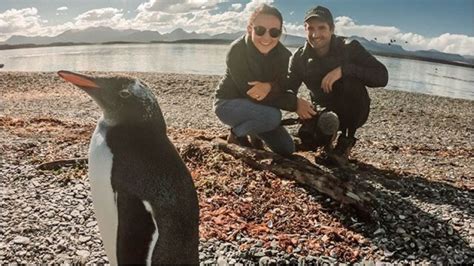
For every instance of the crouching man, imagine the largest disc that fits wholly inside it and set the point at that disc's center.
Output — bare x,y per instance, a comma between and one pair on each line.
336,71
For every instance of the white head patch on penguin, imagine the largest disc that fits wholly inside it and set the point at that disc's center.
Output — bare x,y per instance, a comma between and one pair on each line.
123,100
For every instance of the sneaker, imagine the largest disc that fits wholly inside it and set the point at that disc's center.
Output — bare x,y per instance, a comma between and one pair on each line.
241,141
256,142
344,146
340,154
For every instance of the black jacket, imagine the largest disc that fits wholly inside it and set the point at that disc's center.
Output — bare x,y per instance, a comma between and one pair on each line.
245,63
359,68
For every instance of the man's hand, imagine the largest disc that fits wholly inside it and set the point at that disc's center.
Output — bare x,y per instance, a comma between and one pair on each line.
259,90
330,78
304,109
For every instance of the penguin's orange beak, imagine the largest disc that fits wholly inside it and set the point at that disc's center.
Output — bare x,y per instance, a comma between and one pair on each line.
79,80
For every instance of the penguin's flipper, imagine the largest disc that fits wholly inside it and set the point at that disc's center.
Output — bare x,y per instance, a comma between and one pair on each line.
135,231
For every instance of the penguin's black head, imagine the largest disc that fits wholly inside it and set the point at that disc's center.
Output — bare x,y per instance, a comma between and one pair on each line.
123,100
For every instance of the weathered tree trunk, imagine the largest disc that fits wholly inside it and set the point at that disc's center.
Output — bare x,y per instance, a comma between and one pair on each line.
54,165
297,168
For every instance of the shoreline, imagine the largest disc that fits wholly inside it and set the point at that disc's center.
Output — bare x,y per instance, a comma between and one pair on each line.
130,73
226,42
415,150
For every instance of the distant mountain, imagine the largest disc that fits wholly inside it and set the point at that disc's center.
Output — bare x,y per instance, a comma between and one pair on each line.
16,40
109,35
377,47
180,34
89,35
143,36
440,55
93,35
228,36
292,40
396,50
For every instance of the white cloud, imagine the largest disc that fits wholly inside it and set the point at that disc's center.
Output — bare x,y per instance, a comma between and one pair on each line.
236,7
109,17
20,22
178,6
99,14
294,29
448,43
63,8
166,15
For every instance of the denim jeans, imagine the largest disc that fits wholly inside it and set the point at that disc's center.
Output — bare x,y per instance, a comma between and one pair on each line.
248,118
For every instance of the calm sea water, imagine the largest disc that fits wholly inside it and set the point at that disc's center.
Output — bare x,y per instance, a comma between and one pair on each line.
405,74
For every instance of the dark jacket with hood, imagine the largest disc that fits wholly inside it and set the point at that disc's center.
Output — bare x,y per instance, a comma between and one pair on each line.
245,63
359,69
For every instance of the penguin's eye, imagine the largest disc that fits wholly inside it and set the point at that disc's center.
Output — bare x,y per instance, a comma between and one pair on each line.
124,93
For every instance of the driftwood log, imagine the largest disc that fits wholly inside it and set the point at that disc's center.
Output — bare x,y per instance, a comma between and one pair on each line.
299,169
55,165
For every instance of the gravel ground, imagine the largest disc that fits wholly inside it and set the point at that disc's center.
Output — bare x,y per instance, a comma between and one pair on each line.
415,151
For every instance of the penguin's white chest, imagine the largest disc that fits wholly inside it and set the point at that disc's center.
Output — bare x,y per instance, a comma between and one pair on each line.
103,196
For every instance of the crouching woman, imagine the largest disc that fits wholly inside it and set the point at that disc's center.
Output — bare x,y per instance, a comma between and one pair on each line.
250,95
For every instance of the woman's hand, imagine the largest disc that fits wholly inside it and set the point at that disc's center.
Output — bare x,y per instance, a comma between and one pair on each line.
304,109
259,90
331,77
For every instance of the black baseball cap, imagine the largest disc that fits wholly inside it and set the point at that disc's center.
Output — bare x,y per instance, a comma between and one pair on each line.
321,13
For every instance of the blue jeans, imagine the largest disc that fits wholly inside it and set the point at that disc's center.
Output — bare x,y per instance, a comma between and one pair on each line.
248,118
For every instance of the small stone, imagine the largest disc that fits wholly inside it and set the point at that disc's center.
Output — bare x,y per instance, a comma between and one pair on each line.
47,257
450,231
270,224
21,240
222,261
259,254
388,253
264,260
83,253
91,224
401,230
379,231
274,244
325,238
84,239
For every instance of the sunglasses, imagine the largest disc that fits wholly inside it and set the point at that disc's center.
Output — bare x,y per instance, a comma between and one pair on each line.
260,31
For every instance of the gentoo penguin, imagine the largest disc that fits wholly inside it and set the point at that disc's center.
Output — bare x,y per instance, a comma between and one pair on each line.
144,198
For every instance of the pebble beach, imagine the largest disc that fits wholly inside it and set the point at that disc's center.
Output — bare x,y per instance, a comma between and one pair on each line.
416,152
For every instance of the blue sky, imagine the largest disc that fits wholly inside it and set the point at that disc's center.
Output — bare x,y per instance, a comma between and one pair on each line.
424,24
